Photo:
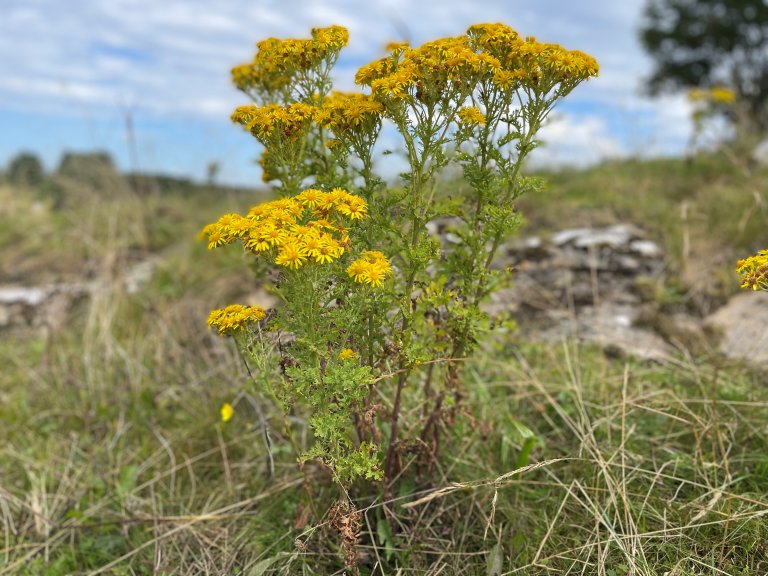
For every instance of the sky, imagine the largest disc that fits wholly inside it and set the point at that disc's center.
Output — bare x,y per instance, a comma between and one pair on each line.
73,72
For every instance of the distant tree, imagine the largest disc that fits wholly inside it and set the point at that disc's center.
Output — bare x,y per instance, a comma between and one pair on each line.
212,172
711,43
84,173
82,165
26,170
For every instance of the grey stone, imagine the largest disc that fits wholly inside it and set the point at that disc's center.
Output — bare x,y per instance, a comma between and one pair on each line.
614,237
31,296
646,248
609,325
743,325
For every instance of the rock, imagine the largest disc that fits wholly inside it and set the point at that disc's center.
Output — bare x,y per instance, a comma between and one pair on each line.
584,283
443,224
5,316
33,296
50,305
743,325
611,326
261,297
760,153
138,275
646,248
529,248
614,237
452,238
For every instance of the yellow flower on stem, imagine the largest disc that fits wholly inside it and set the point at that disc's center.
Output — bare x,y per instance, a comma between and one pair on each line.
226,412
371,268
471,115
234,317
754,271
347,354
291,255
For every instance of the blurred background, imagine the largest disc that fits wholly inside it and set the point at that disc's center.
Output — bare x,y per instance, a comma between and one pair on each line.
148,83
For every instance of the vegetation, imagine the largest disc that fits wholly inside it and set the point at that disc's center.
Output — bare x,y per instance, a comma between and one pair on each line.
364,334
116,461
25,170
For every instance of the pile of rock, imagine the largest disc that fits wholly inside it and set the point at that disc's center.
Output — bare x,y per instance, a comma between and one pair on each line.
584,283
591,284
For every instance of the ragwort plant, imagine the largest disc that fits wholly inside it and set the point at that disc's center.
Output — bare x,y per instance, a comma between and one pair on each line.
375,313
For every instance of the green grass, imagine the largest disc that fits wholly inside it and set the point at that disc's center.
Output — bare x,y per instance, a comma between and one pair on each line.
114,460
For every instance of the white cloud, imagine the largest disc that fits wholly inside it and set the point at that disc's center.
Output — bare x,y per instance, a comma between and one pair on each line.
576,141
171,59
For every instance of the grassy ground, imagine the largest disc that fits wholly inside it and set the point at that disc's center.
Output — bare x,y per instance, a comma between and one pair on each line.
114,460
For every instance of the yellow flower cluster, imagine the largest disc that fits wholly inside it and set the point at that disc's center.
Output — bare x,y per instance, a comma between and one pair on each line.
754,271
526,61
278,62
343,112
471,115
371,268
433,67
397,46
306,227
488,51
291,121
715,95
234,317
347,354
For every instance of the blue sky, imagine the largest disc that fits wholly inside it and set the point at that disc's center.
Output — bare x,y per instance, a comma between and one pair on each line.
73,71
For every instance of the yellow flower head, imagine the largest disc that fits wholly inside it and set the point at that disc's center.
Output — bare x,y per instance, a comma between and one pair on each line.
754,271
310,197
344,112
226,412
291,255
216,235
397,47
471,115
274,122
234,318
347,354
280,62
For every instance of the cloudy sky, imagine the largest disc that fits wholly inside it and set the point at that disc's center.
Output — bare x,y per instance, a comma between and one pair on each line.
73,71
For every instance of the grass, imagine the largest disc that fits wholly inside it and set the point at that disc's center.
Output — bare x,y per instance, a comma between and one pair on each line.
114,460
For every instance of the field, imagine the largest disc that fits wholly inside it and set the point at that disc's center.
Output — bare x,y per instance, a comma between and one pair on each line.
565,460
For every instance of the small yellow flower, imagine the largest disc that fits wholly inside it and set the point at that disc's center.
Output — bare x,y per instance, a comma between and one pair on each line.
310,197
226,412
347,354
291,255
216,237
353,207
471,115
357,270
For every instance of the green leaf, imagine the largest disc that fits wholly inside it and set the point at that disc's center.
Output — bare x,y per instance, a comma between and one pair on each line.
127,480
384,535
261,567
495,560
